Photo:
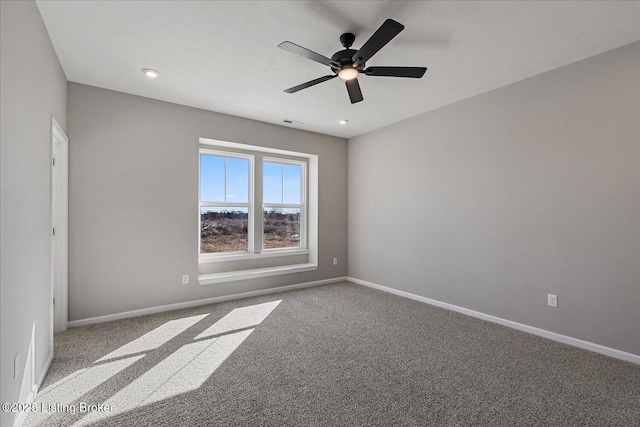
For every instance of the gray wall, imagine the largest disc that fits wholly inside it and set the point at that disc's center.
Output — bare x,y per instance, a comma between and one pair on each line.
133,200
495,201
33,87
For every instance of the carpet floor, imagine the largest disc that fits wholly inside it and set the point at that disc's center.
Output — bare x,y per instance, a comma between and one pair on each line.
332,355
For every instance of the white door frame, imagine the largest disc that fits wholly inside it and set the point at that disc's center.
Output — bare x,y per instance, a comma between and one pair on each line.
59,228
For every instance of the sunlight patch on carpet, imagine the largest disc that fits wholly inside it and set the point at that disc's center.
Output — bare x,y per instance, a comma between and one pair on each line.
155,338
183,371
240,318
187,368
72,387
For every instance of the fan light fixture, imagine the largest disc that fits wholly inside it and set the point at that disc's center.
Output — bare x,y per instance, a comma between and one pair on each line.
150,73
348,73
349,63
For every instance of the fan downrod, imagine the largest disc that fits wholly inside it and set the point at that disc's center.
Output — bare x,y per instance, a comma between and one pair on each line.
347,40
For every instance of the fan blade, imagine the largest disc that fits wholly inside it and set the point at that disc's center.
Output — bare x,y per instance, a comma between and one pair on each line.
415,72
309,54
383,35
353,87
309,84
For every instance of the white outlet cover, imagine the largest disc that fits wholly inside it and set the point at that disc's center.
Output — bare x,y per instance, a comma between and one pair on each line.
552,300
185,279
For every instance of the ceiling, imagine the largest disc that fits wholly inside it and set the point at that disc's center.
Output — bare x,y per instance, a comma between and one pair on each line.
223,56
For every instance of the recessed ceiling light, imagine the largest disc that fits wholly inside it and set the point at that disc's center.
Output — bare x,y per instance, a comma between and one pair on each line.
343,121
150,73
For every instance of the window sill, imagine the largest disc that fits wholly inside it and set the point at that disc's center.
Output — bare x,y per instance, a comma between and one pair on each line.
240,257
229,276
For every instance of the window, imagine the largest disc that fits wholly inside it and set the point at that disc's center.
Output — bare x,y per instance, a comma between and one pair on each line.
282,204
252,204
224,202
257,212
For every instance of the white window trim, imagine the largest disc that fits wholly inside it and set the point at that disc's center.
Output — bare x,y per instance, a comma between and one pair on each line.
230,276
311,235
238,256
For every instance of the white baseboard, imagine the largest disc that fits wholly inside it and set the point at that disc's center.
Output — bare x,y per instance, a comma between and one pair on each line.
188,304
22,415
31,397
43,374
597,348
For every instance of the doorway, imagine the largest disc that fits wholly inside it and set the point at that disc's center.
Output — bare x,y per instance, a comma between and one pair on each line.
59,228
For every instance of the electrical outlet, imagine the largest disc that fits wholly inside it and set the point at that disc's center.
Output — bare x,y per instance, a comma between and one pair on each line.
16,366
185,279
552,300
335,261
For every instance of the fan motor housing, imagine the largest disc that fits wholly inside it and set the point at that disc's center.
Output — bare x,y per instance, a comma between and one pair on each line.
344,57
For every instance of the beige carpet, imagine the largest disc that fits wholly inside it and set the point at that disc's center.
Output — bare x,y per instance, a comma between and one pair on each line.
337,354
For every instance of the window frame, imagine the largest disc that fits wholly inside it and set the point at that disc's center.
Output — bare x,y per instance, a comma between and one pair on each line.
255,247
250,205
302,206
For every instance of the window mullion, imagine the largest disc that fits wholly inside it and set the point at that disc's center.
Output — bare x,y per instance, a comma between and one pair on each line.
281,183
282,205
257,203
223,205
225,179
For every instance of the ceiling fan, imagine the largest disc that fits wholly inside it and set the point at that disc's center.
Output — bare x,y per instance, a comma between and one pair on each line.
348,63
